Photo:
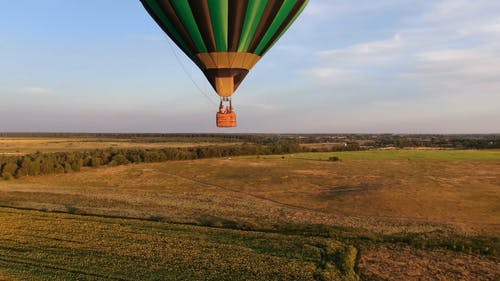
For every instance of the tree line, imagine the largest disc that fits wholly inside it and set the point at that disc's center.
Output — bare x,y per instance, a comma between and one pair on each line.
437,141
366,141
65,162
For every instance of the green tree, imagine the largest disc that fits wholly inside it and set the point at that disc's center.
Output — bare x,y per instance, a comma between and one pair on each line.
95,162
34,169
67,168
119,159
24,167
8,170
76,165
59,169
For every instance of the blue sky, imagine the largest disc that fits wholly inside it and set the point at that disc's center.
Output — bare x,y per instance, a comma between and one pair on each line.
386,66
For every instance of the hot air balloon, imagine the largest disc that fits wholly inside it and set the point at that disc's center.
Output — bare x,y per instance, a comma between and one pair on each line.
225,38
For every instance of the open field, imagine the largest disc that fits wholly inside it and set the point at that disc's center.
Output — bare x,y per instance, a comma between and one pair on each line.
402,209
459,193
405,154
22,146
45,246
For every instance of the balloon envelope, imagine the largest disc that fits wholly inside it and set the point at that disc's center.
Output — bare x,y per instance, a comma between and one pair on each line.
225,38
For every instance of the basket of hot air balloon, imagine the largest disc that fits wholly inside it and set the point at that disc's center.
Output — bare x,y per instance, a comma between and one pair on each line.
225,38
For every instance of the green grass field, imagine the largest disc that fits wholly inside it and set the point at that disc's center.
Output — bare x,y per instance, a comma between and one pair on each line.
48,246
407,213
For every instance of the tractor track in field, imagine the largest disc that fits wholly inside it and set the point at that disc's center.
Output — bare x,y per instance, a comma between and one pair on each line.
244,193
338,213
38,264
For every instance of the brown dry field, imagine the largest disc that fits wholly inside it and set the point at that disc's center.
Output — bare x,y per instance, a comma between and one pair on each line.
398,193
22,146
381,196
405,263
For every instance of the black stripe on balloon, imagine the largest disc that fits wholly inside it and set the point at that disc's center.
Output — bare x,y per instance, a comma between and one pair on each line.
272,9
285,23
201,13
164,28
237,13
172,16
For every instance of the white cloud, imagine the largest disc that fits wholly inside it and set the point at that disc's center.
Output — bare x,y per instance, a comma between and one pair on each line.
481,63
442,66
334,75
452,38
37,91
363,53
463,19
260,106
491,28
339,9
460,11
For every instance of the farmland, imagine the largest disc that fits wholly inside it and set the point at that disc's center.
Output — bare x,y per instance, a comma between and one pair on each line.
25,145
378,214
45,246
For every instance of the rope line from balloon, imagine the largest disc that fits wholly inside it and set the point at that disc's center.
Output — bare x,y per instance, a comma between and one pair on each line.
189,75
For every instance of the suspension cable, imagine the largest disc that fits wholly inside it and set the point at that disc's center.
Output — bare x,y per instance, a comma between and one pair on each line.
189,75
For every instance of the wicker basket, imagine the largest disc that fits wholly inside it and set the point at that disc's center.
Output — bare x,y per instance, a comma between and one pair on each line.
226,120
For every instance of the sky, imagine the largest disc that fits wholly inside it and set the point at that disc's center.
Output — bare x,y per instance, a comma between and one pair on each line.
386,66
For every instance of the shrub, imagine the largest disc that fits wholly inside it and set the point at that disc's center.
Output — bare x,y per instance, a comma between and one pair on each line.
67,168
34,169
77,165
6,176
95,162
119,159
59,169
10,169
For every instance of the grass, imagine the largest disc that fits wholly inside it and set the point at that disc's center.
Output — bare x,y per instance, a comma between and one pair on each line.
21,146
409,154
48,246
386,196
290,214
